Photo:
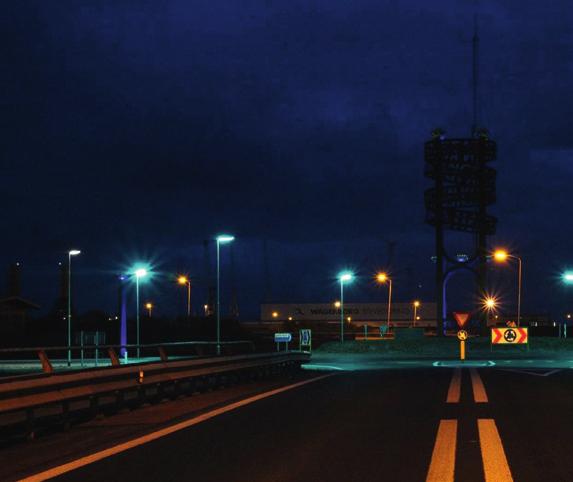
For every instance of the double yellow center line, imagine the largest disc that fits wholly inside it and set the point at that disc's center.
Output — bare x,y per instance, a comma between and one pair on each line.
443,463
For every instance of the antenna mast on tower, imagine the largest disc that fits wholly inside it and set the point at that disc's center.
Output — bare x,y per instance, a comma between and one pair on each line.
475,78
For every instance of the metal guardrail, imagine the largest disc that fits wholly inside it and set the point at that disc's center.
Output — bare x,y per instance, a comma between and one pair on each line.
110,352
66,392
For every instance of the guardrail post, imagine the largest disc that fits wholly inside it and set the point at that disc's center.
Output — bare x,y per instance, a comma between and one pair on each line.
163,354
46,365
96,347
82,348
113,357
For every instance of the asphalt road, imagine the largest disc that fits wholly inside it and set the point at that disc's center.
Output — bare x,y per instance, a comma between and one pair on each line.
408,424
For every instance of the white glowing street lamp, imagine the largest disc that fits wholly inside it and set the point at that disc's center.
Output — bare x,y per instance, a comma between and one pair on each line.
344,277
72,252
221,239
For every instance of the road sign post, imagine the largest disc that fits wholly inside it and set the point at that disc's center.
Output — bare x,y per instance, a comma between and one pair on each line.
462,336
282,338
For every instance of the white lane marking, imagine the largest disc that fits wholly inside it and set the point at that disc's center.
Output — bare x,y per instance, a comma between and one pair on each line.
443,460
464,363
312,366
90,459
527,372
480,395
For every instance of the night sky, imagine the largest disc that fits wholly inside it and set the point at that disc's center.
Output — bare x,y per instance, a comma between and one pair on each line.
134,130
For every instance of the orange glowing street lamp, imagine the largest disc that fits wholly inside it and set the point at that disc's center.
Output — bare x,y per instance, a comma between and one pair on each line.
149,308
416,305
490,303
183,280
384,278
501,256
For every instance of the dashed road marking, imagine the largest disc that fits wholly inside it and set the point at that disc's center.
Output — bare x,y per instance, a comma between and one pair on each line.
480,396
495,466
454,391
443,461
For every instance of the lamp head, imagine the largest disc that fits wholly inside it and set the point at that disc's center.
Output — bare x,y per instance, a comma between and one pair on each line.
74,252
345,276
500,255
225,238
140,273
382,277
182,280
568,277
490,303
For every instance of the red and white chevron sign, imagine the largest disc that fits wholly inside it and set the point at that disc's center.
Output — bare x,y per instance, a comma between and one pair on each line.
509,336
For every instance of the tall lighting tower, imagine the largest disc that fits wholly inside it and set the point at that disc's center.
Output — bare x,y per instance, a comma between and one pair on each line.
464,185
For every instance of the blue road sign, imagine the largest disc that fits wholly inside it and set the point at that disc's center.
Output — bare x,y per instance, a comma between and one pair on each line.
305,337
283,337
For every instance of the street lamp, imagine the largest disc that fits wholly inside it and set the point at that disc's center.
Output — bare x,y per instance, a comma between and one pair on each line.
490,303
71,252
384,278
344,277
221,239
183,280
149,307
501,256
567,277
139,273
416,306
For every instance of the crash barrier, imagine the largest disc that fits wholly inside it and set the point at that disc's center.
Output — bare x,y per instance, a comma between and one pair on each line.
62,357
24,401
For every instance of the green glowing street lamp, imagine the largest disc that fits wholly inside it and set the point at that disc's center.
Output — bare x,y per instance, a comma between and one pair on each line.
71,252
221,239
344,277
567,277
138,273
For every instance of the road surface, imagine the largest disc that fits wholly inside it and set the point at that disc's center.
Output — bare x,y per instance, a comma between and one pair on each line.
409,424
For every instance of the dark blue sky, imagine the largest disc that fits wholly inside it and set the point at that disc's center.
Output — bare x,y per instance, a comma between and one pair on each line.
136,129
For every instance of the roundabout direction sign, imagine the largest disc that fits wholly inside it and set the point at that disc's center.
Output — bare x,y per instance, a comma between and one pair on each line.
509,336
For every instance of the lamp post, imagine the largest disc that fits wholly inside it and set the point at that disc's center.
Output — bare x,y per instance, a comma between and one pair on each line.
223,238
416,306
183,280
343,278
139,273
384,278
71,252
567,278
501,256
